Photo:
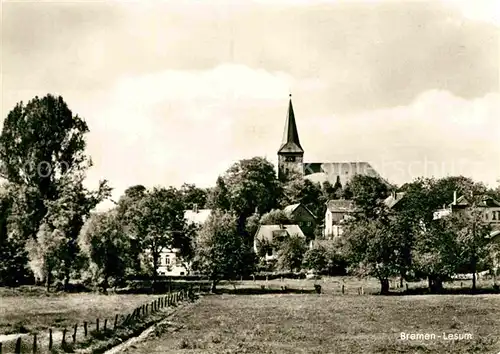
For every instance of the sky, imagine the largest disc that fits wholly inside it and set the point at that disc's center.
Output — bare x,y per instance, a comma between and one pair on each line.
177,91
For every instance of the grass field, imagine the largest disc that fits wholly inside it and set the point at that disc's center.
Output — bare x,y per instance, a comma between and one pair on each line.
37,311
310,323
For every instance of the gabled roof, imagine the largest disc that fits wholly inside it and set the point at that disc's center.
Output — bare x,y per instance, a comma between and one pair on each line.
341,206
266,231
291,208
290,142
197,217
394,199
486,202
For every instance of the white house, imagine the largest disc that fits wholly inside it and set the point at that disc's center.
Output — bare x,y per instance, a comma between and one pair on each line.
338,211
170,263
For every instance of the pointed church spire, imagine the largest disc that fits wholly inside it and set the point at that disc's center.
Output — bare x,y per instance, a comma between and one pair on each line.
290,142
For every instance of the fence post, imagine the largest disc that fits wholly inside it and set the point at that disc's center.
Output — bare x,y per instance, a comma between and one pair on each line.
63,342
0,347
105,324
343,289
407,287
74,333
147,308
97,324
18,346
362,291
34,343
50,338
85,328
116,321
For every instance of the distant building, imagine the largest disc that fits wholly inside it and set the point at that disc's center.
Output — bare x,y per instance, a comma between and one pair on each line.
291,158
303,217
271,233
338,211
170,262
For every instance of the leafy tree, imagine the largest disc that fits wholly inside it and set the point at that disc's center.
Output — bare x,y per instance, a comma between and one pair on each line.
193,195
126,207
291,252
105,244
220,252
63,222
307,193
372,250
315,259
368,193
435,253
275,217
346,192
252,187
13,268
41,142
252,224
219,196
158,223
472,235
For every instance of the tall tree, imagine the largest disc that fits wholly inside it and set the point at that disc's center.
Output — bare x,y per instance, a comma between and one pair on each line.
252,187
291,251
221,253
105,244
41,142
158,222
372,249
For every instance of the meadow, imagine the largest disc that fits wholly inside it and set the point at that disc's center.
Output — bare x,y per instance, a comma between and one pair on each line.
312,323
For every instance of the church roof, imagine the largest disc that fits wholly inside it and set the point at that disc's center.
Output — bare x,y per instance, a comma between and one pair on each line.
331,171
291,208
290,142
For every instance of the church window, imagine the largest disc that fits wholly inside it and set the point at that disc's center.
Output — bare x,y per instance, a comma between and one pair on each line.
290,158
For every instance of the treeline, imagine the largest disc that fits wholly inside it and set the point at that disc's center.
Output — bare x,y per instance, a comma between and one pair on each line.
49,233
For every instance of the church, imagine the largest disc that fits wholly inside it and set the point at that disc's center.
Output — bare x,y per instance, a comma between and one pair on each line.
291,158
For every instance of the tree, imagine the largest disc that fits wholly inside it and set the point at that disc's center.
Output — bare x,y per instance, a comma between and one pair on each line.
40,143
193,195
291,252
315,259
368,193
252,224
472,236
372,249
275,217
158,223
435,253
13,268
219,196
252,187
307,193
105,244
220,252
63,221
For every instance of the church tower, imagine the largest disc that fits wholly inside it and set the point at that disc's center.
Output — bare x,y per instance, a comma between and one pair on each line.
290,153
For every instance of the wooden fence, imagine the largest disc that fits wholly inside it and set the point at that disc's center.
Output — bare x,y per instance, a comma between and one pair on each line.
102,328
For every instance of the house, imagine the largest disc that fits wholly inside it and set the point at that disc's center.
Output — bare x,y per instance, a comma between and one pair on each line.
490,209
291,158
267,234
338,211
170,263
303,217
